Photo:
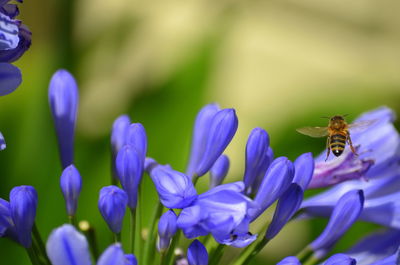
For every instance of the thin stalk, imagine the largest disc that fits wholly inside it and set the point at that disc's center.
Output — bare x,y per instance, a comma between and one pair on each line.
117,237
72,220
32,256
250,252
39,246
133,230
138,233
163,258
90,234
171,250
216,255
304,254
149,247
312,260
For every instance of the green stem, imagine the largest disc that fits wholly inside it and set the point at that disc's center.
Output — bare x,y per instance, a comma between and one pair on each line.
171,250
90,234
117,237
216,255
32,256
163,258
149,247
72,220
304,254
138,233
38,245
312,260
133,228
250,252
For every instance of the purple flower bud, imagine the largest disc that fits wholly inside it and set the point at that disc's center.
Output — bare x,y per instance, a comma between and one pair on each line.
112,206
256,154
340,259
23,203
130,171
268,158
166,229
2,142
219,171
200,132
149,164
287,206
345,213
71,183
197,254
289,261
119,133
304,169
63,98
131,259
10,78
174,188
221,131
113,255
5,216
66,246
276,180
9,32
137,138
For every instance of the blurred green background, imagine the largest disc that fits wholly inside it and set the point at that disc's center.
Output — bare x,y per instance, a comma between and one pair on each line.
280,64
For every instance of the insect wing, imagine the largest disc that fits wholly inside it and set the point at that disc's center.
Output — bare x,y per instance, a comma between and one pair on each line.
314,131
361,125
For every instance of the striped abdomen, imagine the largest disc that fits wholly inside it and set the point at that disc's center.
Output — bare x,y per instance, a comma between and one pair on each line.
337,143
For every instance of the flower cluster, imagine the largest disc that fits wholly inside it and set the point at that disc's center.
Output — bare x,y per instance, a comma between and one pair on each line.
363,187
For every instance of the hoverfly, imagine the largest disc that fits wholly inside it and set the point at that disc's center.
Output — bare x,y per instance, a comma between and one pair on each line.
337,132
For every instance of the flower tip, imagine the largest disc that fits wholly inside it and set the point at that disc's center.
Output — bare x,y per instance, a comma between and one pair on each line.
197,253
2,142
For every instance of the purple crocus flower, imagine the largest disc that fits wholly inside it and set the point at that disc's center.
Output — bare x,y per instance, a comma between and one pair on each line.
66,246
174,188
130,170
112,206
287,206
197,254
257,158
15,40
291,260
63,98
2,142
166,229
113,255
23,204
276,180
199,140
345,213
340,259
219,171
71,184
376,247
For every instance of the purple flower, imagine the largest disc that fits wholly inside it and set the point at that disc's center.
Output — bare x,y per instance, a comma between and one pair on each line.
219,171
345,213
5,217
221,131
174,188
131,259
137,138
71,183
166,229
2,142
200,132
112,206
304,169
340,259
15,40
276,180
257,158
291,260
197,254
130,170
376,247
63,98
66,246
220,211
287,206
113,255
23,204
119,136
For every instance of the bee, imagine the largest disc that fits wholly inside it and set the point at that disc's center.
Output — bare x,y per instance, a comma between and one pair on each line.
337,132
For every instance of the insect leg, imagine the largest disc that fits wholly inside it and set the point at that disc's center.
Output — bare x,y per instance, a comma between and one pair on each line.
351,144
328,147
